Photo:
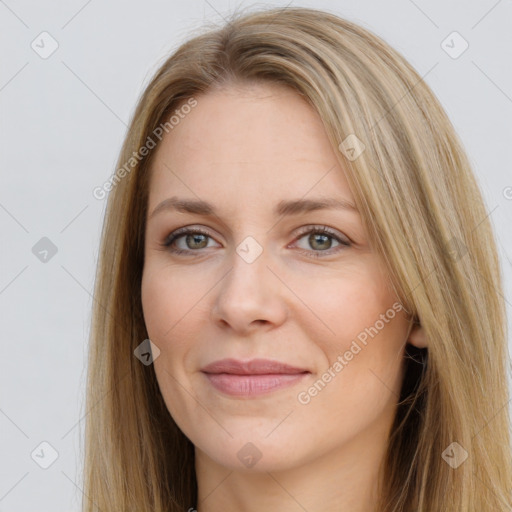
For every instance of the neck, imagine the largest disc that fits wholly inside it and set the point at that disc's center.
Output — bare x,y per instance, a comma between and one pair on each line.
344,480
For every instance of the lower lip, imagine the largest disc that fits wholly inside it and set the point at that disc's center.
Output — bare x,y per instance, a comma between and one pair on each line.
252,385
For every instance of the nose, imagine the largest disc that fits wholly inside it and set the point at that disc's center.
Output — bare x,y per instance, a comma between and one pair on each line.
249,296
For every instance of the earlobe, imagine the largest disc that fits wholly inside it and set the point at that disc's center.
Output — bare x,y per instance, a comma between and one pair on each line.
417,336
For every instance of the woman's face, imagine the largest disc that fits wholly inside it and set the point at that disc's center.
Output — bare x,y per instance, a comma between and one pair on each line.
258,282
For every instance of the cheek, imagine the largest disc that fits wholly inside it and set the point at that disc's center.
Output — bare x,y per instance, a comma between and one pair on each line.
157,303
366,332
360,384
169,299
168,310
345,306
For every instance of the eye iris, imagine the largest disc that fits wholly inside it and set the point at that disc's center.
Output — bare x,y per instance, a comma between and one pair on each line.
198,238
325,241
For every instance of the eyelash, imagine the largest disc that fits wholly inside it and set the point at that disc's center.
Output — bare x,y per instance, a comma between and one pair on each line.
323,230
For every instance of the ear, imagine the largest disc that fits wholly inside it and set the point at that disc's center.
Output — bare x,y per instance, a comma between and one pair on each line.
417,336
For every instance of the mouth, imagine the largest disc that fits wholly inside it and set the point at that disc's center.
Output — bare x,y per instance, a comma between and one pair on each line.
252,378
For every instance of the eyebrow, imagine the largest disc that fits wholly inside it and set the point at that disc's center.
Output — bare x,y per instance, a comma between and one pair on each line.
283,208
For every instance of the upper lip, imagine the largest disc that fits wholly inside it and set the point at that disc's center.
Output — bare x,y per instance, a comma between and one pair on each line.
252,367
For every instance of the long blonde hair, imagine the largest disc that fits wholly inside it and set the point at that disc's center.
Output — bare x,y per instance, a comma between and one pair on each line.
425,217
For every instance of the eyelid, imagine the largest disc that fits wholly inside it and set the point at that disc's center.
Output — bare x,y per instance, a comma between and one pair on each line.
185,230
302,231
343,240
322,228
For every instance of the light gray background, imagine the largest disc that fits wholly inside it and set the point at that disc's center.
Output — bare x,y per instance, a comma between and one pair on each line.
63,120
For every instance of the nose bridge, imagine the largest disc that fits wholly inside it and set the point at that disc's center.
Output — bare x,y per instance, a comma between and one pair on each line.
249,291
249,275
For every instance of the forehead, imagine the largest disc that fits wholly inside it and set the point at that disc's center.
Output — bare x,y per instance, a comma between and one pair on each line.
248,140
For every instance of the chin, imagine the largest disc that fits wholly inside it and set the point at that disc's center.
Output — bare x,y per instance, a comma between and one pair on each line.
258,455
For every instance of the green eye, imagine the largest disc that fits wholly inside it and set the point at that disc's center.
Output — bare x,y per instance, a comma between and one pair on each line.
320,239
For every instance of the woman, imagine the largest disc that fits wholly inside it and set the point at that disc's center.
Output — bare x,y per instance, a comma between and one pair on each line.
295,227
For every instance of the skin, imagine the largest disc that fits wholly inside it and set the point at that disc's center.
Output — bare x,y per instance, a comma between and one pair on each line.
245,148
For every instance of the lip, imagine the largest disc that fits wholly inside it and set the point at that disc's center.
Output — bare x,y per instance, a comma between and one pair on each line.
252,378
252,367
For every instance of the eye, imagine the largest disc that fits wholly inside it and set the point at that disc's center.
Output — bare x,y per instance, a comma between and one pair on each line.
193,240
321,240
